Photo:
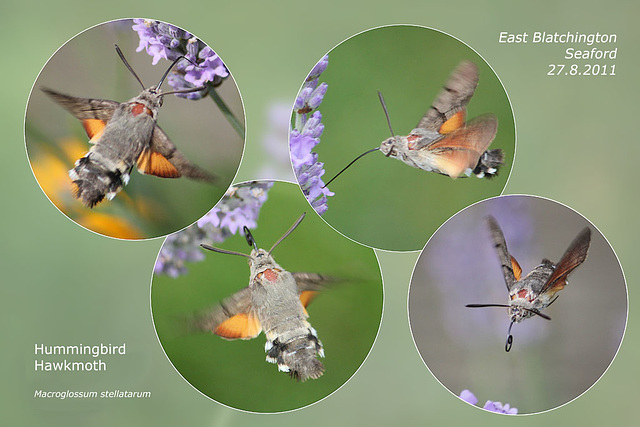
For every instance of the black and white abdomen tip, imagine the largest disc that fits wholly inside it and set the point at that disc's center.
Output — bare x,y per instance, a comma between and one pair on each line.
489,163
95,181
297,356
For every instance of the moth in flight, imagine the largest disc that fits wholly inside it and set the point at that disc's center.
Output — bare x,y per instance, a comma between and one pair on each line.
274,302
535,292
123,135
443,141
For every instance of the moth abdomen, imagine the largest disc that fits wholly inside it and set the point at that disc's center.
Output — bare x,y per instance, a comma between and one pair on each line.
297,356
489,163
94,180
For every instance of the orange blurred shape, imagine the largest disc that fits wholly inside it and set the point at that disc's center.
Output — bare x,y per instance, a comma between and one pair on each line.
52,172
109,225
74,149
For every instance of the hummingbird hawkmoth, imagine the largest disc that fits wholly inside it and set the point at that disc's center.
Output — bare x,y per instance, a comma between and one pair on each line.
274,302
535,292
443,142
123,135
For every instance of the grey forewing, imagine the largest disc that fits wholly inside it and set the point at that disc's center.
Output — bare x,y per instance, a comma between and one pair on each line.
84,108
575,255
240,302
500,245
454,96
312,281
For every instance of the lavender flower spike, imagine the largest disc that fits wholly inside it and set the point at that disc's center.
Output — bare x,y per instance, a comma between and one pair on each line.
238,208
165,41
306,135
490,406
203,68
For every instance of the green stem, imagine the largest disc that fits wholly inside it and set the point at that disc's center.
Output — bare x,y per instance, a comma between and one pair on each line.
227,112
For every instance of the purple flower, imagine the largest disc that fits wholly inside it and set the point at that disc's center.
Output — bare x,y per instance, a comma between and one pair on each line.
306,135
498,408
319,68
209,68
165,41
468,397
177,249
240,207
490,406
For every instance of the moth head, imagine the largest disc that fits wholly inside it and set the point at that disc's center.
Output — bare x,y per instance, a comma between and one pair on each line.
151,98
257,256
389,147
517,314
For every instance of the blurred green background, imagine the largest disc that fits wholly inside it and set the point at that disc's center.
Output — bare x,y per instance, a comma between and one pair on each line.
89,67
382,202
346,316
62,284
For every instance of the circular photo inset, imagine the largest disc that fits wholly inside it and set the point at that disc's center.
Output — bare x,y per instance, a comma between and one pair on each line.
395,130
281,333
519,302
134,94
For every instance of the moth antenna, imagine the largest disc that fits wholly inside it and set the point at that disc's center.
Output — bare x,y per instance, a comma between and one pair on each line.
553,300
509,343
121,55
223,251
293,227
352,162
386,113
537,313
250,240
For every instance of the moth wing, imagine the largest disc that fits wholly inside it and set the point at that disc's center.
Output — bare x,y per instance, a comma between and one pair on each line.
517,270
232,318
312,281
94,129
477,135
451,102
459,151
241,326
162,145
94,113
503,253
310,284
84,108
153,163
575,255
